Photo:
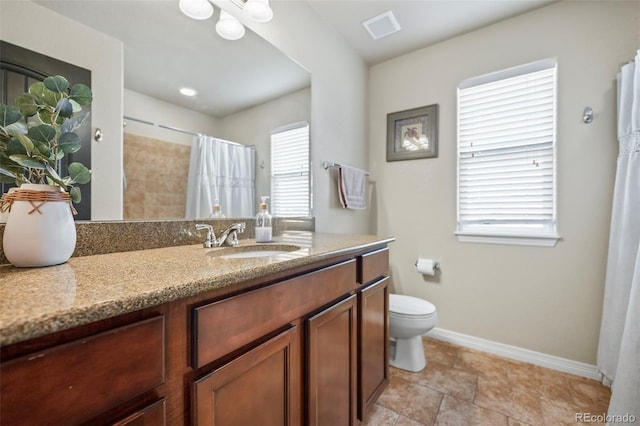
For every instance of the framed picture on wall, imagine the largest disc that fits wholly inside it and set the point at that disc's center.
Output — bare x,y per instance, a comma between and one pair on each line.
413,133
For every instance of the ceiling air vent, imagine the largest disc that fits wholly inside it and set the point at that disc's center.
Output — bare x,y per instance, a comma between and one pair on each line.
382,25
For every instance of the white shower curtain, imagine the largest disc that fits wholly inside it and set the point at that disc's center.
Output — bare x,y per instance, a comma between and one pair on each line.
619,346
223,172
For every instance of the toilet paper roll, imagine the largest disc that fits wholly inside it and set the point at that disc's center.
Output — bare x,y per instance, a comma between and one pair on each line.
426,266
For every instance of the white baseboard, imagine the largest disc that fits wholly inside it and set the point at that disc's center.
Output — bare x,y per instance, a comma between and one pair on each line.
519,354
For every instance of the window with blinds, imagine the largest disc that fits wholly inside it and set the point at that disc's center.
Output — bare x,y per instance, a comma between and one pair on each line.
506,156
290,177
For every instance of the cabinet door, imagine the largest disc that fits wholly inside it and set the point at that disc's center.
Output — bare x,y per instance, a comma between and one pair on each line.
152,415
373,344
260,387
331,357
72,383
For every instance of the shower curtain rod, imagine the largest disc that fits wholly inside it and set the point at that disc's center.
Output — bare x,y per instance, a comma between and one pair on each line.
177,129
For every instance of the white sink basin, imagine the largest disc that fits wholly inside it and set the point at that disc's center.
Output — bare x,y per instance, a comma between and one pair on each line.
249,251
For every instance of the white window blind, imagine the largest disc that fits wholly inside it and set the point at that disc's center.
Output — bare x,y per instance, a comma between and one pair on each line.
506,153
290,178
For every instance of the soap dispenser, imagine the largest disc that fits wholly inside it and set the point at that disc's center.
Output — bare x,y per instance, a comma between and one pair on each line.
217,213
263,223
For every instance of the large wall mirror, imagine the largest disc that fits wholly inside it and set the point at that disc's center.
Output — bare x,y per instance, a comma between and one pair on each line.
246,89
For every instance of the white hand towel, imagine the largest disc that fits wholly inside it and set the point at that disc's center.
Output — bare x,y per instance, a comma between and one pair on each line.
351,187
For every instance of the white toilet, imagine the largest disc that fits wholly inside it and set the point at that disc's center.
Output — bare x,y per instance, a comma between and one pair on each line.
409,318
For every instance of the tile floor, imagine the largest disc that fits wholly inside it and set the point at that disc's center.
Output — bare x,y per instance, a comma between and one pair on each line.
462,387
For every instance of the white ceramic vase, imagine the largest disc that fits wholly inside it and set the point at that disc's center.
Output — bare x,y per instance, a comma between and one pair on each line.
42,238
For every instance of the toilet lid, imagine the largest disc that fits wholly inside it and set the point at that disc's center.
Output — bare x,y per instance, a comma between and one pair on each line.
409,305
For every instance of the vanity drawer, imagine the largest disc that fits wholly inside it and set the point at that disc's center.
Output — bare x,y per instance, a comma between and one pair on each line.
77,381
224,326
373,265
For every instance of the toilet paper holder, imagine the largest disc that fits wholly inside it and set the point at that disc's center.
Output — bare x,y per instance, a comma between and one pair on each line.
436,265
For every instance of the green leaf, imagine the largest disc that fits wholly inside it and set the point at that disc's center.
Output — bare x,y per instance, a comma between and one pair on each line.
46,117
69,143
75,194
15,147
27,161
7,179
56,83
81,94
52,172
25,142
9,115
43,149
17,128
76,106
79,173
45,95
27,104
73,123
6,172
42,133
53,176
64,108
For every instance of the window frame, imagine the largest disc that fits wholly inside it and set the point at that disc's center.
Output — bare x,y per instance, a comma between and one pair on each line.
532,234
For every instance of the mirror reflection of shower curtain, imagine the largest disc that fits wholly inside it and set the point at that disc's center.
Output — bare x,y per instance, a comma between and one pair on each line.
223,172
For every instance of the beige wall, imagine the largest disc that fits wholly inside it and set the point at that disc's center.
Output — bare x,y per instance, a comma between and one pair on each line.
36,28
253,126
147,108
338,103
543,299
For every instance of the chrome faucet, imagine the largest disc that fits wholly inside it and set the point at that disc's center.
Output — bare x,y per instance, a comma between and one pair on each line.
229,235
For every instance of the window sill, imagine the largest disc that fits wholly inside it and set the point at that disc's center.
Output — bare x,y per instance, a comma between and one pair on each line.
549,240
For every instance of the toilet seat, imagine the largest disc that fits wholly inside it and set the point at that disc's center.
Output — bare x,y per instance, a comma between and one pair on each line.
410,307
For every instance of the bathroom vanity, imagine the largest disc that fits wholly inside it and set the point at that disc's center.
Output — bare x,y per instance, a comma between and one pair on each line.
180,335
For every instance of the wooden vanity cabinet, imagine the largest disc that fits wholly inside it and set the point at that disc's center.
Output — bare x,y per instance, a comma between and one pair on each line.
343,366
75,382
264,384
373,328
308,346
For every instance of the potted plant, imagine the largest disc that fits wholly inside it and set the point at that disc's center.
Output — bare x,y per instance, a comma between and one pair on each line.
40,230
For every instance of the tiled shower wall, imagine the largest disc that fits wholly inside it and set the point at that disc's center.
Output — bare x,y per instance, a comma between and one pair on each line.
156,172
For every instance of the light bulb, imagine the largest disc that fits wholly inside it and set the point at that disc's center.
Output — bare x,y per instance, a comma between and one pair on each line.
229,27
196,9
258,10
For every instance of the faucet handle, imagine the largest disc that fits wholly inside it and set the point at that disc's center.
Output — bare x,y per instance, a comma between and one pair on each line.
234,230
211,236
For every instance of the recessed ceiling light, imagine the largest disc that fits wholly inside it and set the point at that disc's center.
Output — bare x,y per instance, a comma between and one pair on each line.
187,91
382,25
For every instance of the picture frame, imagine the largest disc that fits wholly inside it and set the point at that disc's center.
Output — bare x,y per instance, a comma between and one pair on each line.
413,133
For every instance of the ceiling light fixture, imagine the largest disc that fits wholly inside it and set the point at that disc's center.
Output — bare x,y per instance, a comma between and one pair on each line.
258,10
228,27
188,91
196,9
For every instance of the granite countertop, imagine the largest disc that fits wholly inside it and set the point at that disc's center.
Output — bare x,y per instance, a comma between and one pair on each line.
38,301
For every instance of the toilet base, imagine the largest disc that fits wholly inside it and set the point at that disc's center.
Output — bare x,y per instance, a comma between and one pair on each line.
408,354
